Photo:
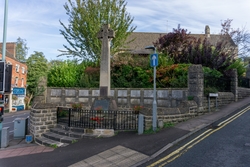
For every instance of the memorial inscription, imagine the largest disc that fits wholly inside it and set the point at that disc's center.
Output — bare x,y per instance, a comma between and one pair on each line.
101,104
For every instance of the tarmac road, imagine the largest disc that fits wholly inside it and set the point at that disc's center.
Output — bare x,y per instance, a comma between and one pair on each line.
225,144
149,145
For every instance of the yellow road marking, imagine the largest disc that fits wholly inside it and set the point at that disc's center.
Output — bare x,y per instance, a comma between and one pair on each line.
177,153
247,108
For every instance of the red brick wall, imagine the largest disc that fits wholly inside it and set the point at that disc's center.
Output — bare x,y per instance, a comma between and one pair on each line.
21,73
10,48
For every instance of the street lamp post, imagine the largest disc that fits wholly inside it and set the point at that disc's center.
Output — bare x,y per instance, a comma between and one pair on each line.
154,63
3,62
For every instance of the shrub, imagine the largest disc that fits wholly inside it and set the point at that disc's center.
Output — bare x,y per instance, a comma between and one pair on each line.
77,105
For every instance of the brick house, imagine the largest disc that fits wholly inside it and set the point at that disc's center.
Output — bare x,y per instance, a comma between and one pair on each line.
15,99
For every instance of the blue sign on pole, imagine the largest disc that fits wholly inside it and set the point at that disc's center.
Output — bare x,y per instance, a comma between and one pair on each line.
154,60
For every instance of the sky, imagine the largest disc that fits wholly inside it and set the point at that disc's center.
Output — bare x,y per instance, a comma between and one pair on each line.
37,21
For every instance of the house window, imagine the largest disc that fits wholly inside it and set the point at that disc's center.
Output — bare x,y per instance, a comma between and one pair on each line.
17,67
23,70
9,62
16,81
22,82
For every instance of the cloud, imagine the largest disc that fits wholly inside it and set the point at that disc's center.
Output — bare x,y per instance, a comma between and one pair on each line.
192,14
37,21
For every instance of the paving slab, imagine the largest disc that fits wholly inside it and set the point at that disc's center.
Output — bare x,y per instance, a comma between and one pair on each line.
117,156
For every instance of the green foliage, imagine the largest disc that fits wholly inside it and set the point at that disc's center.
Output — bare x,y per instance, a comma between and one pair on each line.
190,97
211,72
174,76
90,78
85,20
165,60
63,113
53,145
184,48
151,131
168,124
74,141
239,66
208,90
37,71
77,105
126,76
71,73
210,78
64,74
21,49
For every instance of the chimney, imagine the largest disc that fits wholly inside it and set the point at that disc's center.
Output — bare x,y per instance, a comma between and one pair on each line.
207,31
10,48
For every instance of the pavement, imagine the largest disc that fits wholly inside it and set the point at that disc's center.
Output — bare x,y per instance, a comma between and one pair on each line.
124,149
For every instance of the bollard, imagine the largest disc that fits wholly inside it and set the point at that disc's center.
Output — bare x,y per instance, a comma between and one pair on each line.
5,137
140,124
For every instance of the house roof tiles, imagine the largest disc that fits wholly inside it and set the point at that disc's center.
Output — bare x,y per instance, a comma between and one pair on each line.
142,39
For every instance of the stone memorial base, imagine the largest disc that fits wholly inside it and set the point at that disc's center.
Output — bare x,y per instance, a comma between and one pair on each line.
104,103
104,132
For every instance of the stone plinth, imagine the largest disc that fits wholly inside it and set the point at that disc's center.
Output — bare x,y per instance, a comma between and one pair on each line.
42,118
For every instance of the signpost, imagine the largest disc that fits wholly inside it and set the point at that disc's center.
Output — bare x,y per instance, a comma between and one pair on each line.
154,60
154,63
2,75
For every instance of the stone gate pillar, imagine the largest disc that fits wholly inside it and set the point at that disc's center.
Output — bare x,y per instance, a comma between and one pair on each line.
234,84
196,84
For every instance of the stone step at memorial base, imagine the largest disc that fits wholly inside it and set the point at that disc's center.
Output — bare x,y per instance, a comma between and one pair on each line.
62,136
49,142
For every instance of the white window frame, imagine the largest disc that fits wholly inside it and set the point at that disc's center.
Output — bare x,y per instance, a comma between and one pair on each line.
16,81
17,67
23,70
22,82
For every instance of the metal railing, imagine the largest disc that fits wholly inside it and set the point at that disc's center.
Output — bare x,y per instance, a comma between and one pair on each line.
244,82
95,119
222,84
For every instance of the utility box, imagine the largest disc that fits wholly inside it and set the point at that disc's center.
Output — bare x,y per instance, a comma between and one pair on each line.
20,127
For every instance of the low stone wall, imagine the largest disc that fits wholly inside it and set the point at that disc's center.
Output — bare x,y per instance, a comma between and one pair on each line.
243,92
185,111
125,98
176,118
188,109
224,98
42,118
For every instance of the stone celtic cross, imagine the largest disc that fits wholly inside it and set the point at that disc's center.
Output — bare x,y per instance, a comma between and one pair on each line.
105,34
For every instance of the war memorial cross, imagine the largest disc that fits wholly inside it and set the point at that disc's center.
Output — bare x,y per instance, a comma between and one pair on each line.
105,34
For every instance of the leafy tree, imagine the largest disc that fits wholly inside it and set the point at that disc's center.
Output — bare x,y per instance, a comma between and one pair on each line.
174,43
85,20
183,48
241,37
37,71
21,49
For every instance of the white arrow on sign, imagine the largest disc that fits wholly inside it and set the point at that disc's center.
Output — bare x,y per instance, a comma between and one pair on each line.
154,60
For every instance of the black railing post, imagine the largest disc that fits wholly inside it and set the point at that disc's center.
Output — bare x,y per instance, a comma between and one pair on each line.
114,121
57,115
69,116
